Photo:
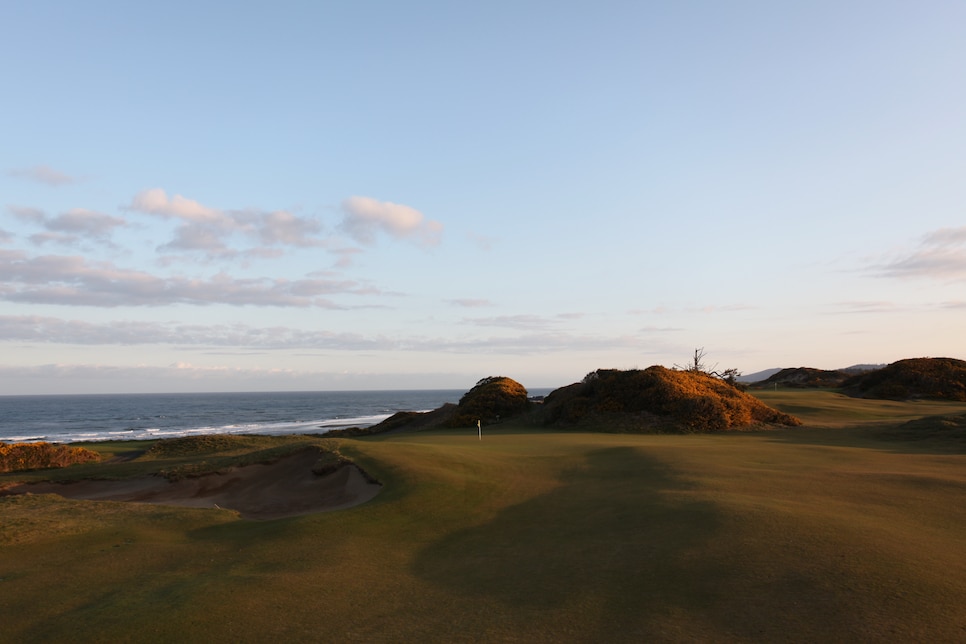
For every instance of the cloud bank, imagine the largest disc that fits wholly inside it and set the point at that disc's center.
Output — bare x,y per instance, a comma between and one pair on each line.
76,281
73,226
52,330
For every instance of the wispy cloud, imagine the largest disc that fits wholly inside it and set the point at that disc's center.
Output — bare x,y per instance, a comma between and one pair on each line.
26,213
866,306
524,321
519,322
42,174
469,303
657,310
70,227
483,242
345,257
155,201
149,377
365,217
940,255
40,239
43,329
74,280
717,308
243,337
215,233
86,222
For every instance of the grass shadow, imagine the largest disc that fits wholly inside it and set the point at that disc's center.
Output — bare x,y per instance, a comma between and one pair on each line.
927,435
613,529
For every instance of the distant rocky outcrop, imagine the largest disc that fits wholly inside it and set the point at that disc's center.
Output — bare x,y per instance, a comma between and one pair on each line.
657,399
803,378
912,379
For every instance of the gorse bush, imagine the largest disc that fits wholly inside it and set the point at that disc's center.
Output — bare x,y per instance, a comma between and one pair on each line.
15,457
922,378
492,399
660,399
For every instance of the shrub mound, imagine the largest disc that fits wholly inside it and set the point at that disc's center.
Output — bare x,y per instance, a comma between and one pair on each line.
204,444
400,421
657,399
913,378
15,457
950,430
491,400
803,378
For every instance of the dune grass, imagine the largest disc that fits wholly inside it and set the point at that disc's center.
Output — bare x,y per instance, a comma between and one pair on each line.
818,533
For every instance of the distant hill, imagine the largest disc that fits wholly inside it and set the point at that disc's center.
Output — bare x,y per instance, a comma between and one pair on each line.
803,377
862,368
657,399
758,375
914,378
765,374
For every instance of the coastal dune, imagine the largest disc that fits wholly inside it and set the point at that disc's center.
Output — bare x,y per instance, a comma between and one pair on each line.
287,487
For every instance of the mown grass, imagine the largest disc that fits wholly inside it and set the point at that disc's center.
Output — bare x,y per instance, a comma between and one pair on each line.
809,534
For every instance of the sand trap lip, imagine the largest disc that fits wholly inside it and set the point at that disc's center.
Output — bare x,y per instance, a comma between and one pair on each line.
284,488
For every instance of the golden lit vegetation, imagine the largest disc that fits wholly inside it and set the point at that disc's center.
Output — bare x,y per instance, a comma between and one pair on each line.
35,456
658,399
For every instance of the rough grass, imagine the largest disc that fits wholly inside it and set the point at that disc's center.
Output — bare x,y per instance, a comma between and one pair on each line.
191,456
808,534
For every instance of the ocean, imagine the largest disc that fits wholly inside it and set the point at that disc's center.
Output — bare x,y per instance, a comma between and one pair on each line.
74,418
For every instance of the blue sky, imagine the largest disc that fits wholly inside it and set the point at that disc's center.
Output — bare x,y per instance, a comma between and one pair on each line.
392,195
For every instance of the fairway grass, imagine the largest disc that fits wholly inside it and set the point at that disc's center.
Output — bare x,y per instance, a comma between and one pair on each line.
820,533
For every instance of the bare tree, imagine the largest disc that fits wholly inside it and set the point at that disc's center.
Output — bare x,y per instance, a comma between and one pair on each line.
697,365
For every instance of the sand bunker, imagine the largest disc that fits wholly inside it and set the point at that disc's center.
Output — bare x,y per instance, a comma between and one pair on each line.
285,488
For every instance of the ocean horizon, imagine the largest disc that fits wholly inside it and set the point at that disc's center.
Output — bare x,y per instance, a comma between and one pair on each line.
71,418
